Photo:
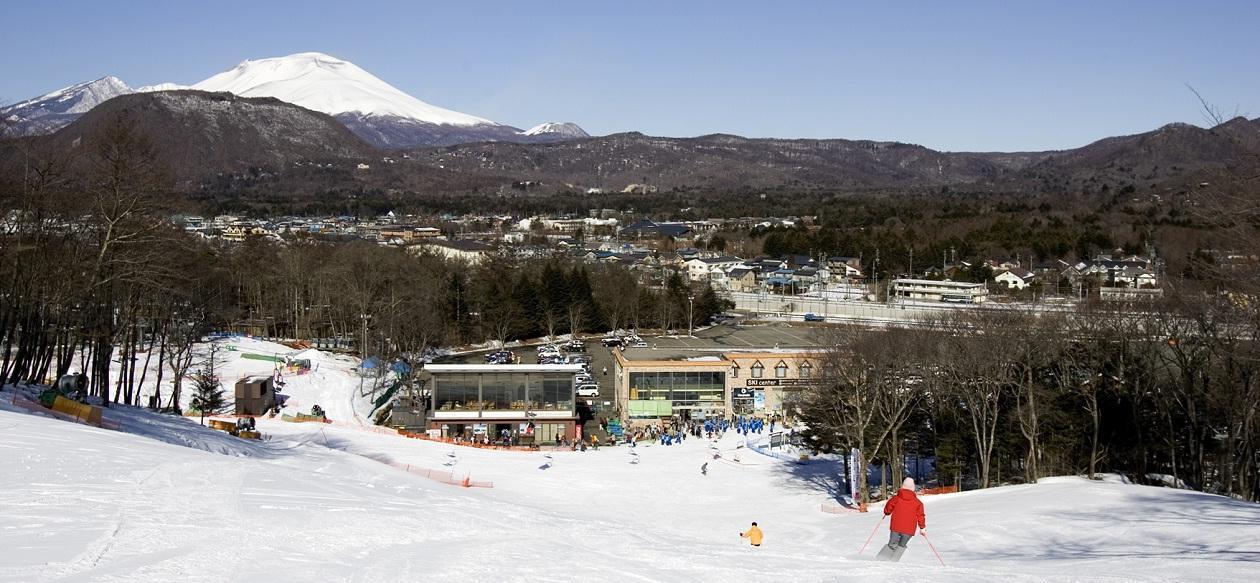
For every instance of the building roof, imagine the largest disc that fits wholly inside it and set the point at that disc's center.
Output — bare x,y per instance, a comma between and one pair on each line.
563,368
1020,272
722,259
944,284
722,358
461,245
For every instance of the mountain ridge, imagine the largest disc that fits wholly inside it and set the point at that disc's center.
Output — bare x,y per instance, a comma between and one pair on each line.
196,134
379,112
54,110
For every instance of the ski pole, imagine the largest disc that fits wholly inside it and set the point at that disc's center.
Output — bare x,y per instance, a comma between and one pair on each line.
868,539
933,547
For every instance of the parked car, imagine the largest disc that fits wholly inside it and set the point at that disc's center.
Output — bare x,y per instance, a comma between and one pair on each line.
548,348
639,344
588,390
814,318
583,379
611,342
578,359
575,346
500,357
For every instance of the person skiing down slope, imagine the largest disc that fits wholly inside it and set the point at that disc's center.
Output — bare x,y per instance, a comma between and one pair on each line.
907,511
753,535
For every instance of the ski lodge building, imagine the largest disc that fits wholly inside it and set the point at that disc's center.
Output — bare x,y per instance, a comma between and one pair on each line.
476,399
758,382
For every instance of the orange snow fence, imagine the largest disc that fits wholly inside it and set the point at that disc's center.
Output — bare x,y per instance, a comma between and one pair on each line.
837,509
445,477
940,490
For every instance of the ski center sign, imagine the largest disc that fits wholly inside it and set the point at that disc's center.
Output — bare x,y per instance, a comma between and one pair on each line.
778,382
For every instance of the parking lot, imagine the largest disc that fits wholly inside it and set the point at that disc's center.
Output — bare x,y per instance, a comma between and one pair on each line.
734,336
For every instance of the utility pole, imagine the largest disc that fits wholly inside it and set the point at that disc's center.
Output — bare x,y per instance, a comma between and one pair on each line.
875,271
690,306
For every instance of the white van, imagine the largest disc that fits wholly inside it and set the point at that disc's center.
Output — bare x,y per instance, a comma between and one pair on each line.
588,390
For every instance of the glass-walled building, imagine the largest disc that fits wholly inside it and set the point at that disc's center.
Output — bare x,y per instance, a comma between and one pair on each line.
533,401
698,393
722,384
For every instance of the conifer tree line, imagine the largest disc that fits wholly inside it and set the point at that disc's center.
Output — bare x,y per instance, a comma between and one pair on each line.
1164,394
93,276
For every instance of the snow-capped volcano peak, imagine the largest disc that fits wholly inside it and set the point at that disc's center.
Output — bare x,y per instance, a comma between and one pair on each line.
334,86
563,129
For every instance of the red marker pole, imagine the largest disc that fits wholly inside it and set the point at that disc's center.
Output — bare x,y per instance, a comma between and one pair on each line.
933,547
868,539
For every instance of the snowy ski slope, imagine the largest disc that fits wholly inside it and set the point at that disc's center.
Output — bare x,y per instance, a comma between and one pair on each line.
316,502
167,500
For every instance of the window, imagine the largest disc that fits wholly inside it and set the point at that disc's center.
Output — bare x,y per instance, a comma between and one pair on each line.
735,371
661,394
756,370
806,370
780,370
456,392
557,392
494,391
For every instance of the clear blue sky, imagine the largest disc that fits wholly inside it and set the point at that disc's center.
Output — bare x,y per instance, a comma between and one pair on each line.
949,75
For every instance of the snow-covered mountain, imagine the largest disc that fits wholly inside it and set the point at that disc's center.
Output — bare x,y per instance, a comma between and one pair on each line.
378,112
161,87
562,130
52,111
329,85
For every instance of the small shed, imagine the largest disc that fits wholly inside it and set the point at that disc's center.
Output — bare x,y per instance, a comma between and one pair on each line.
255,395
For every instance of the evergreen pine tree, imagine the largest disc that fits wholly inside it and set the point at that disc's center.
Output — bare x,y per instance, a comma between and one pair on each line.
208,394
525,295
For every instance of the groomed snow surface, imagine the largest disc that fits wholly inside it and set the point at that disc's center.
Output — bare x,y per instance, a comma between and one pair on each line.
167,500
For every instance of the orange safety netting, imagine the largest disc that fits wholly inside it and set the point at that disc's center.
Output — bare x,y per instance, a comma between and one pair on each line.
837,509
445,477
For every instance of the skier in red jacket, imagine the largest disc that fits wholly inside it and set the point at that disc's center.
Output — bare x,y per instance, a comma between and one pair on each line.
907,511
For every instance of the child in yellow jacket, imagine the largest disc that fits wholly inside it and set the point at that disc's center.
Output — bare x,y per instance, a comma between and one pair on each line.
753,535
